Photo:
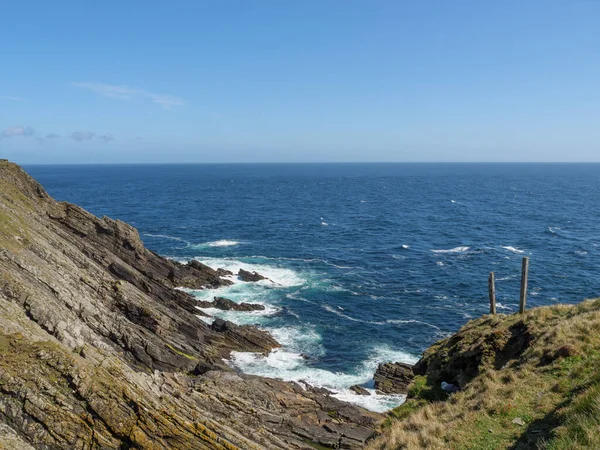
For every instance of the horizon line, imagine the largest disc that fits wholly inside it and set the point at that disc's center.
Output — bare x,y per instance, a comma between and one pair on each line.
294,163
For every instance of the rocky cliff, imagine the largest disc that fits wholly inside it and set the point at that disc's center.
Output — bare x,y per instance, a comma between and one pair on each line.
99,350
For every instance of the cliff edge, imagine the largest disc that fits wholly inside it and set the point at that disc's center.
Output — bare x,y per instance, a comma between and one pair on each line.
98,350
528,381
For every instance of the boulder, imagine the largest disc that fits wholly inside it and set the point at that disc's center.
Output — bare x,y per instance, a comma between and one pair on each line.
245,275
359,390
393,378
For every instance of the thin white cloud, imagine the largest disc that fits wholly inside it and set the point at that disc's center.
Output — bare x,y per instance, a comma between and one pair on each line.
13,99
130,93
81,136
106,137
17,131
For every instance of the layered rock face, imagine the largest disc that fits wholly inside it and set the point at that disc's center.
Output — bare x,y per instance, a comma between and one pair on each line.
393,378
229,305
98,350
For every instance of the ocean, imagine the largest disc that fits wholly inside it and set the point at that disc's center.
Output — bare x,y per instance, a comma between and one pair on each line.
368,262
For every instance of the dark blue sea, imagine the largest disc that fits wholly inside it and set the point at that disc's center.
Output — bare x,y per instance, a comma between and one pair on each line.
368,262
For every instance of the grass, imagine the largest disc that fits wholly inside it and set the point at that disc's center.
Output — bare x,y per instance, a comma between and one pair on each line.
541,368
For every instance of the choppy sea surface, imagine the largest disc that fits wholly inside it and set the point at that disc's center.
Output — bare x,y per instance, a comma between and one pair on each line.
368,262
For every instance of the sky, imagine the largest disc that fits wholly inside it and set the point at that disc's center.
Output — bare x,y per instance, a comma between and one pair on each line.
299,81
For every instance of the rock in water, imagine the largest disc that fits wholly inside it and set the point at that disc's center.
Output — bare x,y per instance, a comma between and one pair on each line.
250,276
359,390
226,304
245,337
393,378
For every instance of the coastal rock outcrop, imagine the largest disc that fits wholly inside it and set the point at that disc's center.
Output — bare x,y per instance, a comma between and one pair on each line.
226,304
359,390
393,378
244,337
99,350
245,275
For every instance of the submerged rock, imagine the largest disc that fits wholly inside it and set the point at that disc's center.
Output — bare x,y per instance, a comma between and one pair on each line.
393,378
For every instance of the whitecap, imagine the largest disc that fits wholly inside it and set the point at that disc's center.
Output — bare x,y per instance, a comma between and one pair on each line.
398,322
512,249
452,250
501,306
337,313
404,246
222,243
324,224
553,230
219,243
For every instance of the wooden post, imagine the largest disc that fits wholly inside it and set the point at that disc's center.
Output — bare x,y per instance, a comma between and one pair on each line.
492,292
524,275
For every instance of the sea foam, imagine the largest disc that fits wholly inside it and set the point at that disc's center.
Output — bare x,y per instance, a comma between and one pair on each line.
453,250
292,366
280,276
219,243
513,249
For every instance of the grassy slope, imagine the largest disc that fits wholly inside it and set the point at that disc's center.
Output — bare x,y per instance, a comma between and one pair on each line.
542,367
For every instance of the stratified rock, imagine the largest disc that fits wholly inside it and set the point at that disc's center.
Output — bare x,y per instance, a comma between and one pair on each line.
250,276
359,390
224,272
226,304
99,350
393,378
229,305
245,338
10,440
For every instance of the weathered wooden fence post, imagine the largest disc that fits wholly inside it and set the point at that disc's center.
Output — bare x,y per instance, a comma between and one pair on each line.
492,292
524,275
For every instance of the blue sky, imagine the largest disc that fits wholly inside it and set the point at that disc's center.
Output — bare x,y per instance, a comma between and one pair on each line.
261,81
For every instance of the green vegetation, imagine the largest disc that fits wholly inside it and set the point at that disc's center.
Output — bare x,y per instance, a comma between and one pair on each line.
530,382
179,352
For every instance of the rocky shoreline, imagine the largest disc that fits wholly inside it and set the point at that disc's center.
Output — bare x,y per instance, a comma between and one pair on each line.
100,350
